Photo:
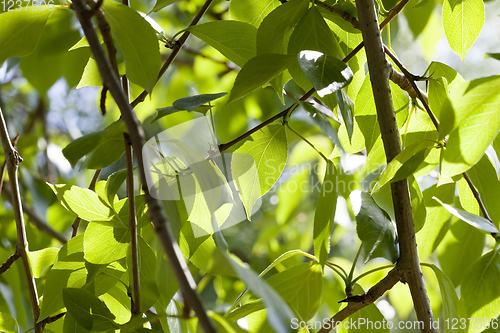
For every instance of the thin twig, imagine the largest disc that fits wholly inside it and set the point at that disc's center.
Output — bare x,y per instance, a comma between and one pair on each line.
132,225
6,265
366,299
175,50
155,211
13,159
4,165
411,79
76,223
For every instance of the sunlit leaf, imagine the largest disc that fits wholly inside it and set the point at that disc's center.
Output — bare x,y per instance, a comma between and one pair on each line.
104,244
252,12
41,260
462,22
258,162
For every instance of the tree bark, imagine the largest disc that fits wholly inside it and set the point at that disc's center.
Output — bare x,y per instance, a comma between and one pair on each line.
380,70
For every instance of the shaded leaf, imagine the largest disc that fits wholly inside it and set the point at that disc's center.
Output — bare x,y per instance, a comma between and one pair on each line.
137,41
235,40
257,72
325,213
160,4
376,231
346,107
327,73
88,310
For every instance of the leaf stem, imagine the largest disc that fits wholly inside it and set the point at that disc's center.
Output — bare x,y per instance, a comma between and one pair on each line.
307,141
337,269
351,273
371,271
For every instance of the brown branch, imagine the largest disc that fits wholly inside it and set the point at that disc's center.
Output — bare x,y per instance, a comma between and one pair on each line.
6,265
411,78
155,211
132,225
408,265
13,159
76,223
175,50
345,16
361,301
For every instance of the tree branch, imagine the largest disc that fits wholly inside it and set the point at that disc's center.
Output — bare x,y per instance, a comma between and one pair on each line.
13,159
155,211
6,265
132,225
408,264
175,50
366,299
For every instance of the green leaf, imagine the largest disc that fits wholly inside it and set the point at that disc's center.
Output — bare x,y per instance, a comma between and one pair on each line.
301,287
251,12
138,42
448,295
438,70
438,92
102,148
104,244
41,259
115,180
494,55
484,178
258,162
51,60
404,159
88,310
71,325
311,33
480,290
257,72
477,130
160,4
325,213
476,221
235,40
327,73
438,219
8,324
68,271
191,103
147,274
85,204
461,246
443,80
462,23
346,107
21,31
272,33
376,231
477,97
279,314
